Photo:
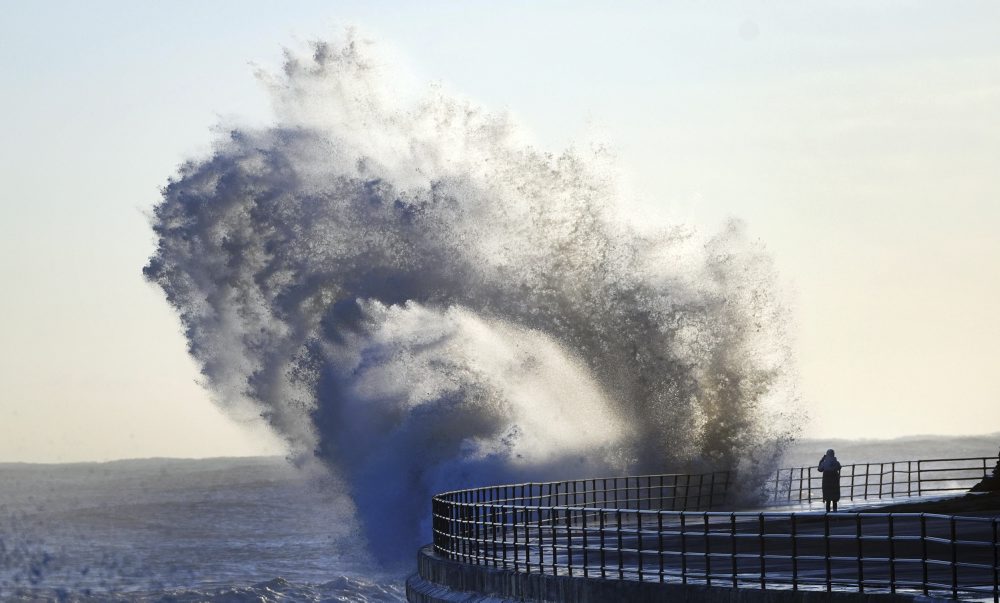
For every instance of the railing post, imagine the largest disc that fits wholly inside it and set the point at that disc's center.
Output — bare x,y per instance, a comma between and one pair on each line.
541,539
734,568
920,478
708,553
553,519
553,524
463,520
513,527
826,553
455,516
868,472
435,526
493,547
858,532
996,562
586,556
892,554
923,549
437,521
503,533
600,518
569,540
485,544
909,479
638,536
954,559
476,549
761,544
795,553
457,512
618,527
527,537
684,573
659,541
486,516
853,472
469,518
881,477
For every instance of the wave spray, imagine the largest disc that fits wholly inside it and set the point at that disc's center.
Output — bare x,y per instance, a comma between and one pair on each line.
406,290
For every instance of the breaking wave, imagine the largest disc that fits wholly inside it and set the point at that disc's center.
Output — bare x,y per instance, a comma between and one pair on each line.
406,290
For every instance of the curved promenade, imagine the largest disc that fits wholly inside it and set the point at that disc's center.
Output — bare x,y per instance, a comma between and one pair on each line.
662,537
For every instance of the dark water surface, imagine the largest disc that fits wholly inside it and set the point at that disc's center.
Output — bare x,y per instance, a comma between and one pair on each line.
185,530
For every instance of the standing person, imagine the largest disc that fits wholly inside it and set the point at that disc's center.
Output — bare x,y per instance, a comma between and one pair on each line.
830,467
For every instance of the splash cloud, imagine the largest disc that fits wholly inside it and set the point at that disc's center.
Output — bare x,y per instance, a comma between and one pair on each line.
409,292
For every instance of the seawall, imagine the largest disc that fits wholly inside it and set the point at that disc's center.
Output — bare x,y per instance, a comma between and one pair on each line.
440,580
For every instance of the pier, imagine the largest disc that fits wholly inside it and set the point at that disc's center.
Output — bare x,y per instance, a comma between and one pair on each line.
678,536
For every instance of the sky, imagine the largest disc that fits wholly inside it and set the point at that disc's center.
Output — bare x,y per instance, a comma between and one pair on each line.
858,141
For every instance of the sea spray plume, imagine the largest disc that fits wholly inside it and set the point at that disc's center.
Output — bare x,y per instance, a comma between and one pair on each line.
413,294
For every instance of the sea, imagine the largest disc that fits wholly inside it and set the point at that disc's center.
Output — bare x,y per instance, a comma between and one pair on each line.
239,529
223,529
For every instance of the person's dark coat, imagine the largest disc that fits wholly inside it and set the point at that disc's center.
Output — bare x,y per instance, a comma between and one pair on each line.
830,467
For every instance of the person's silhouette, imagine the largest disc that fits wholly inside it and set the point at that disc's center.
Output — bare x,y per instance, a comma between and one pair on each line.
830,467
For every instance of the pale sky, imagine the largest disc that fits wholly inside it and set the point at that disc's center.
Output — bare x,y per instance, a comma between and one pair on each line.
860,141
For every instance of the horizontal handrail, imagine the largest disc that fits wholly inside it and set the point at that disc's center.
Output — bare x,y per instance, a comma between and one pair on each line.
876,480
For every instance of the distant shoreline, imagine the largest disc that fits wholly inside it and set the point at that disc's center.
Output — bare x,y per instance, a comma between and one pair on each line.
151,459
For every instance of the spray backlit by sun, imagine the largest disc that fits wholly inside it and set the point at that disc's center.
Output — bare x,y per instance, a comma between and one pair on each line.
415,296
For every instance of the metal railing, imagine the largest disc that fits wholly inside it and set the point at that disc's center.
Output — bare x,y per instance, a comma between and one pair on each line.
662,528
893,479
673,492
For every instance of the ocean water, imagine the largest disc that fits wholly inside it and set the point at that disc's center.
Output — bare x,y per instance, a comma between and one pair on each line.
252,529
807,452
182,530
